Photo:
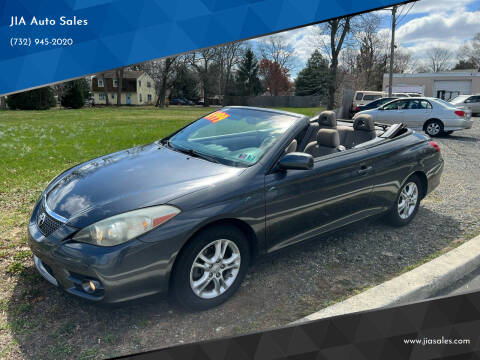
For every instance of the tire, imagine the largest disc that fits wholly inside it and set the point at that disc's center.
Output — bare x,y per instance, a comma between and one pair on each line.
434,128
401,217
218,283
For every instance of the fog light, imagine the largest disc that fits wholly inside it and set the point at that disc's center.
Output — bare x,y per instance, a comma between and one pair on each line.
90,286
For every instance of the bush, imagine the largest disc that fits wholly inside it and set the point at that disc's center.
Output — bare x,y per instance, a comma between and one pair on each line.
75,94
38,99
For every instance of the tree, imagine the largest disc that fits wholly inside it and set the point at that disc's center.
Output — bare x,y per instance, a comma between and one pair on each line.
202,62
370,49
247,81
470,52
275,49
465,65
119,75
38,99
275,77
336,30
313,79
228,56
185,83
438,59
75,93
167,77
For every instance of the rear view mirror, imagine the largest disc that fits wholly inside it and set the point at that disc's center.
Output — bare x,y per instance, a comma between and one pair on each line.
296,161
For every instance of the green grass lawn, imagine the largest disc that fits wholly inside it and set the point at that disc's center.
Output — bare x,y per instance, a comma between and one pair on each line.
35,146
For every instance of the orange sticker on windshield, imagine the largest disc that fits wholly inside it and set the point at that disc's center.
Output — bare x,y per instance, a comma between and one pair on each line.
217,116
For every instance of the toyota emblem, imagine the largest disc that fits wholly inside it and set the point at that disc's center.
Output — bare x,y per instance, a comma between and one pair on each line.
41,219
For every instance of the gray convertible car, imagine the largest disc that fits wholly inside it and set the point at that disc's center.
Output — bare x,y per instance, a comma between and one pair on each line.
189,213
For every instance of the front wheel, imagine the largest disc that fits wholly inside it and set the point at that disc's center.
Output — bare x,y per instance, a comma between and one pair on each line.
434,128
211,267
407,202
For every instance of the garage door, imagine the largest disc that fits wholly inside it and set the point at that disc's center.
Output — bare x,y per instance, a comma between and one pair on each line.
449,89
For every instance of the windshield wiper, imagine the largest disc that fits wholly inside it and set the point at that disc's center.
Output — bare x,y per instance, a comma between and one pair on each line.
193,153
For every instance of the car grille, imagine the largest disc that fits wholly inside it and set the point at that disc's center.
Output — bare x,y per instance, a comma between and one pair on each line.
49,225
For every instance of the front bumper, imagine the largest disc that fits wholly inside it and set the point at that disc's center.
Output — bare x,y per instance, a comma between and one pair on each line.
125,272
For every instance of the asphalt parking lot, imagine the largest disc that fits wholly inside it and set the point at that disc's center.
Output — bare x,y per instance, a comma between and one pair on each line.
279,289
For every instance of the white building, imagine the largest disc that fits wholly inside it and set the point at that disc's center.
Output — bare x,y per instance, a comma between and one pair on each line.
445,85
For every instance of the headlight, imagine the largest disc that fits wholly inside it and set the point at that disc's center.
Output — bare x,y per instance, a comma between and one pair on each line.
121,228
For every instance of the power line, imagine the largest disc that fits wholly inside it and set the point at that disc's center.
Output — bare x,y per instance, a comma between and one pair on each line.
400,19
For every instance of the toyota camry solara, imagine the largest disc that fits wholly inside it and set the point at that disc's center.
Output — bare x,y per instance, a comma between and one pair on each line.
189,213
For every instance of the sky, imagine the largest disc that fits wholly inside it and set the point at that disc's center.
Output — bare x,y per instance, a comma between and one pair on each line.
423,25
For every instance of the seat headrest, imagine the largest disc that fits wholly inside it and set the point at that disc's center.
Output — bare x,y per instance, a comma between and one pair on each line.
292,147
328,137
364,123
327,119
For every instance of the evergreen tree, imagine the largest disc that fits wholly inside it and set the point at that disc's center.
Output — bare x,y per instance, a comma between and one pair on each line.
313,79
247,80
185,84
38,99
75,94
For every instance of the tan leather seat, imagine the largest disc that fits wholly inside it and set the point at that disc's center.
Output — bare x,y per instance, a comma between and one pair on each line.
292,147
327,120
328,142
364,129
310,136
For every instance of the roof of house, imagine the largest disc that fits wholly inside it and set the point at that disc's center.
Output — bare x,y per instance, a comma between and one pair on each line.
127,74
437,75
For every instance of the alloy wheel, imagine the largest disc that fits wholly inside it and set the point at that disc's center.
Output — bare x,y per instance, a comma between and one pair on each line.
433,129
215,269
407,201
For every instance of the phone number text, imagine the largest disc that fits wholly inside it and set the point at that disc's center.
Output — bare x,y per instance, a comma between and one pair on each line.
14,42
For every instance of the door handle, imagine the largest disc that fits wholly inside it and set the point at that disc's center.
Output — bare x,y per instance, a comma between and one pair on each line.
364,170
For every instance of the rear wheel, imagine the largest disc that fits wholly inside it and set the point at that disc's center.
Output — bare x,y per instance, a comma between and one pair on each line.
434,127
211,267
407,202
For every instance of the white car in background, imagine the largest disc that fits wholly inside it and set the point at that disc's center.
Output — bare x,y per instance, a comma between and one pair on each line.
434,116
471,102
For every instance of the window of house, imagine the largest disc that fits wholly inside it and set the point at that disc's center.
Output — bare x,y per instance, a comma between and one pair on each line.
149,84
100,82
140,97
149,97
101,96
139,83
115,82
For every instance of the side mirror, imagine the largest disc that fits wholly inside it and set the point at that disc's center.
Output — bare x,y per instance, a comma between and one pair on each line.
296,161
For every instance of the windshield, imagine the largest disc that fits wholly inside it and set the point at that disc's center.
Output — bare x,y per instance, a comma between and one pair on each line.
233,136
459,99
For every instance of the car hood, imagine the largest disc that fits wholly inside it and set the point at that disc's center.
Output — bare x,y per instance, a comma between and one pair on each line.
130,179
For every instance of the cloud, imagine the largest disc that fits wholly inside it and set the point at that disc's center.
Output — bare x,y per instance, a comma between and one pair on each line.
436,6
447,30
430,23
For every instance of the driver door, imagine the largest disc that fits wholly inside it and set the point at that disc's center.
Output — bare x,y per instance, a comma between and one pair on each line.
301,204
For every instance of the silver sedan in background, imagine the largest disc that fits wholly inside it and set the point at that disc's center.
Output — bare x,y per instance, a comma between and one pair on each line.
434,116
471,102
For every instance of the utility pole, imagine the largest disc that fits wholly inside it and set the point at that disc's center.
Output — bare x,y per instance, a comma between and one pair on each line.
392,50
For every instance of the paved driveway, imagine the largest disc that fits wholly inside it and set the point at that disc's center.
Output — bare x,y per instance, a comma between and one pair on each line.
46,323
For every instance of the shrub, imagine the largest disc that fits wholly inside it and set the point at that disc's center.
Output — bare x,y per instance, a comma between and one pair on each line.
75,94
38,99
